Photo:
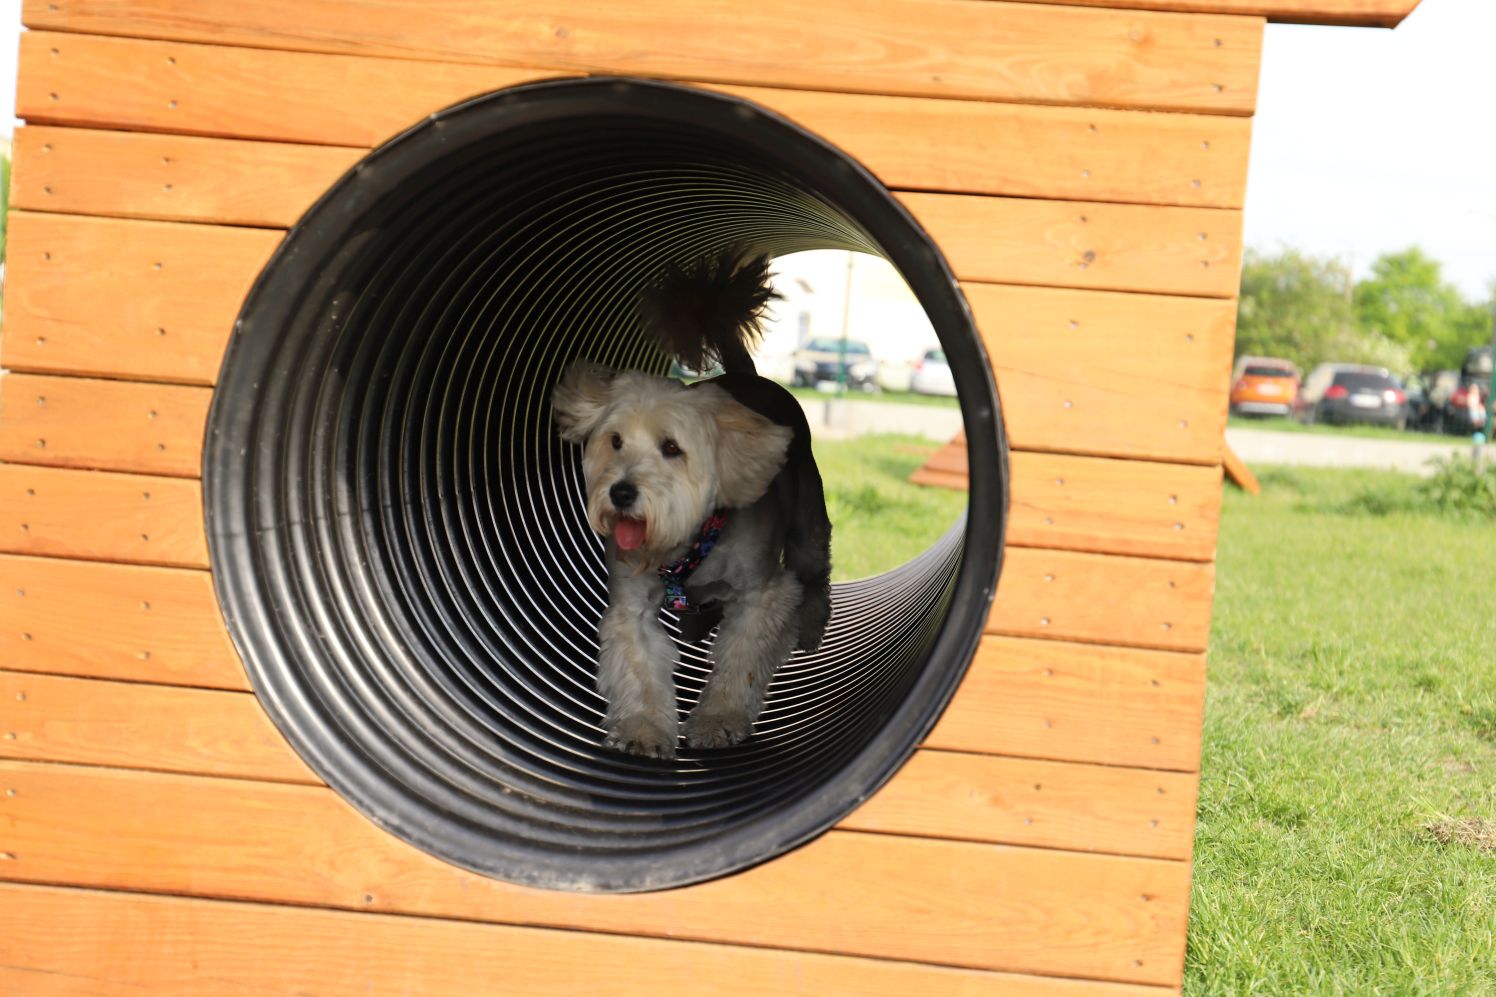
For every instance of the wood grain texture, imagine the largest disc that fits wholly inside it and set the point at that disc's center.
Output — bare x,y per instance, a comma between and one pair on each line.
1136,601
170,177
240,92
1362,13
953,903
1050,699
1082,372
101,516
107,425
910,143
132,725
940,794
1109,374
983,50
1115,706
114,621
921,143
1097,504
1195,251
129,299
1240,474
59,940
1046,804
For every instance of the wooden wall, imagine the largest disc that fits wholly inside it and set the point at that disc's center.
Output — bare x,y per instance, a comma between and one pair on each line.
1082,168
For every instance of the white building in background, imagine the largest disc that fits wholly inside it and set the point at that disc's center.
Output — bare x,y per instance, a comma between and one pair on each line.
824,289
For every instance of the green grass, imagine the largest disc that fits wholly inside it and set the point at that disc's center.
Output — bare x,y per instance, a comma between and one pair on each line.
878,519
1281,425
1352,701
885,397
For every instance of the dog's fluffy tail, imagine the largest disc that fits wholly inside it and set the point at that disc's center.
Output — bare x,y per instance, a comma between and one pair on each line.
708,311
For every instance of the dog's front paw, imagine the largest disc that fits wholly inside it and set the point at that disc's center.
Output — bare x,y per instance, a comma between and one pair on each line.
708,728
640,735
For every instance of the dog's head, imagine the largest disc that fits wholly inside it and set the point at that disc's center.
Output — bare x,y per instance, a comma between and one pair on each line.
659,457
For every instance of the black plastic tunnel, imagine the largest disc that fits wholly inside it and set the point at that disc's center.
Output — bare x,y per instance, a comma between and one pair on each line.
398,537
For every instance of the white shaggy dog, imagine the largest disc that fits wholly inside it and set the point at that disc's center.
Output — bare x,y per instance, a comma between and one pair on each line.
712,506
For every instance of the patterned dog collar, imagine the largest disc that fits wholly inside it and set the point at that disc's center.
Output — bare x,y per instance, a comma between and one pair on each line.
677,572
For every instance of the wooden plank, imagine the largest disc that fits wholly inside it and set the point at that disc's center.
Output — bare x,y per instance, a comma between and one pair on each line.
1059,501
170,177
114,621
1114,506
924,144
1134,601
1109,374
969,797
1049,699
131,725
954,146
1045,804
108,425
127,299
59,940
1352,13
1083,372
86,297
1031,698
240,92
988,51
1098,504
952,903
1119,247
101,516
1240,474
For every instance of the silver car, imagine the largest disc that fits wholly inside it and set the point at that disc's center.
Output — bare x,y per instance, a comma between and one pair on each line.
932,375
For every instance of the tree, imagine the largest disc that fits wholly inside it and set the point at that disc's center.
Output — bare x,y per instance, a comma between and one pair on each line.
1293,306
1407,301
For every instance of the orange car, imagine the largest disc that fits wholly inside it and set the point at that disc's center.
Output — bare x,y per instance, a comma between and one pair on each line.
1263,386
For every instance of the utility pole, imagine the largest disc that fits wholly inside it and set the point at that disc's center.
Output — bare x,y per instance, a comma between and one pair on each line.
1491,386
841,368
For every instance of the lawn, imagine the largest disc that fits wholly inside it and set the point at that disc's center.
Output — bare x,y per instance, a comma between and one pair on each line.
1351,710
1349,768
884,397
879,520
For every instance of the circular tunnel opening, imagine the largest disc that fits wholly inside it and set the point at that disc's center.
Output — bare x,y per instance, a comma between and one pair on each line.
398,536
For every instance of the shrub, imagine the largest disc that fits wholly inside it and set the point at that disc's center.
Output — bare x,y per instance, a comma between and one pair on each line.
1460,487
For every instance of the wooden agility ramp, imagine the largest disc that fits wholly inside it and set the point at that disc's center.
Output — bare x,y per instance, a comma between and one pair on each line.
1081,167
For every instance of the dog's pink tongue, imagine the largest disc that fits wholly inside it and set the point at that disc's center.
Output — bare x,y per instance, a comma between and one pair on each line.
629,533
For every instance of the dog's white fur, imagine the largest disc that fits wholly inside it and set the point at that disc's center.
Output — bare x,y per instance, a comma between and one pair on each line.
728,456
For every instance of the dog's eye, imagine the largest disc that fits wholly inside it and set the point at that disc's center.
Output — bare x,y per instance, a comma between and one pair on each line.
617,442
670,448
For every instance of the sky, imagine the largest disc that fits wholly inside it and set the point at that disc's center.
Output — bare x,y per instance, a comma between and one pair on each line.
1365,141
1369,140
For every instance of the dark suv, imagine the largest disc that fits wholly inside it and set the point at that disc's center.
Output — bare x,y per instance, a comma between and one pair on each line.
1343,393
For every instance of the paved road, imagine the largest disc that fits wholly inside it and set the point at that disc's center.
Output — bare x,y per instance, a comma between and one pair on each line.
1264,446
835,418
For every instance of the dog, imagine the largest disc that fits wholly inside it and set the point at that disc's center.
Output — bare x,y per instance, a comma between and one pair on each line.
712,506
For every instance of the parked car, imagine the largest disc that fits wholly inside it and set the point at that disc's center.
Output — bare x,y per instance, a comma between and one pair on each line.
1467,404
1466,411
1345,393
821,360
1430,409
1424,414
932,375
1264,386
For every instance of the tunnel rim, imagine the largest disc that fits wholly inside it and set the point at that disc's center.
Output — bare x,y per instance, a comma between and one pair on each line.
249,609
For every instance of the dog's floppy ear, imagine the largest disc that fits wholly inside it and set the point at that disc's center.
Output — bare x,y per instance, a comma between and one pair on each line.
581,399
750,451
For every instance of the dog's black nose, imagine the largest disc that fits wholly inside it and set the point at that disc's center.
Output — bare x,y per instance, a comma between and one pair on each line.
623,495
